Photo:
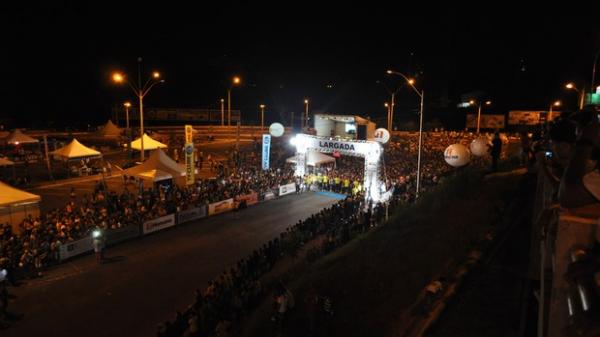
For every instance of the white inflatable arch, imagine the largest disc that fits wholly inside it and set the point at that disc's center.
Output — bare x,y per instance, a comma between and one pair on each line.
371,151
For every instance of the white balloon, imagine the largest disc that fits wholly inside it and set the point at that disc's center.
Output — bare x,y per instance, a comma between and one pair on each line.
382,135
457,155
276,129
479,146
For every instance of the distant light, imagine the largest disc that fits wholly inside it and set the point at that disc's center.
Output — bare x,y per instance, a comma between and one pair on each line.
305,101
463,105
127,104
411,81
118,77
389,71
96,233
262,106
471,102
570,86
156,74
293,141
386,104
222,100
557,103
236,80
488,102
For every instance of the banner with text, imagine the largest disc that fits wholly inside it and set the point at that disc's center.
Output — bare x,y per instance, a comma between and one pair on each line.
220,207
266,151
287,189
191,214
159,223
250,198
75,248
189,164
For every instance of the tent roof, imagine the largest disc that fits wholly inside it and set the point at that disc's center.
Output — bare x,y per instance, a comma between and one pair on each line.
5,162
110,129
76,150
155,175
10,195
158,160
149,144
313,158
18,137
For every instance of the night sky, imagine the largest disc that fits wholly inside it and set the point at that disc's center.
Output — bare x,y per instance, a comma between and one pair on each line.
57,58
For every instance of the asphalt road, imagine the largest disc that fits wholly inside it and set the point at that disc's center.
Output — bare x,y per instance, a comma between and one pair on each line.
152,276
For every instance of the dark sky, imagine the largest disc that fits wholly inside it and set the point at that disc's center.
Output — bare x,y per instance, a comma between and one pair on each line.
58,57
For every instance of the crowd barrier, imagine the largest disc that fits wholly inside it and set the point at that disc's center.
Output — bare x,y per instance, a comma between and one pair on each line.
115,236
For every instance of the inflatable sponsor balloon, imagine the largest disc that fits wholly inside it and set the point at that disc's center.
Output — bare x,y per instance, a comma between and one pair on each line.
479,146
276,130
457,155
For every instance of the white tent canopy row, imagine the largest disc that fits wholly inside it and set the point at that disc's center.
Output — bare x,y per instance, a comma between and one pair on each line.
313,158
17,137
76,150
149,144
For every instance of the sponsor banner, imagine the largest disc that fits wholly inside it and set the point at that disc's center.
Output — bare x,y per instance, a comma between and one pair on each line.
159,223
114,236
335,145
191,214
220,207
269,196
524,117
486,121
266,151
75,248
287,189
189,164
250,198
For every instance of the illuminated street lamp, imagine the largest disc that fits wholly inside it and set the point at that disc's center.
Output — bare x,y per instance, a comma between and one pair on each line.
478,104
557,104
222,112
306,113
234,81
262,117
581,93
140,91
421,94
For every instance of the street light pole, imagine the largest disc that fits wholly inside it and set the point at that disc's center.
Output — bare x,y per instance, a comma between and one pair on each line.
262,117
594,70
235,81
478,116
222,112
127,130
580,92
140,91
391,123
421,95
420,144
556,103
306,114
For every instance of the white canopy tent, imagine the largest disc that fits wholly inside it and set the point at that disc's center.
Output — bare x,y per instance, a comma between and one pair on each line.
313,158
75,150
17,137
155,175
160,161
149,144
110,130
16,205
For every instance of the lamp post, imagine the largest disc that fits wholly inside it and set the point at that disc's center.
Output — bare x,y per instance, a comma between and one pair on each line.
235,81
387,109
222,112
421,95
127,105
390,106
472,102
556,103
306,114
262,117
580,92
140,91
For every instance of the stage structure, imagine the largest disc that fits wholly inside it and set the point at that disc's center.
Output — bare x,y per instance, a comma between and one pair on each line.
369,150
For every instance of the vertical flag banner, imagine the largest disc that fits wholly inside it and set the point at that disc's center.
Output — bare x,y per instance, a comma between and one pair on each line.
266,151
189,155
